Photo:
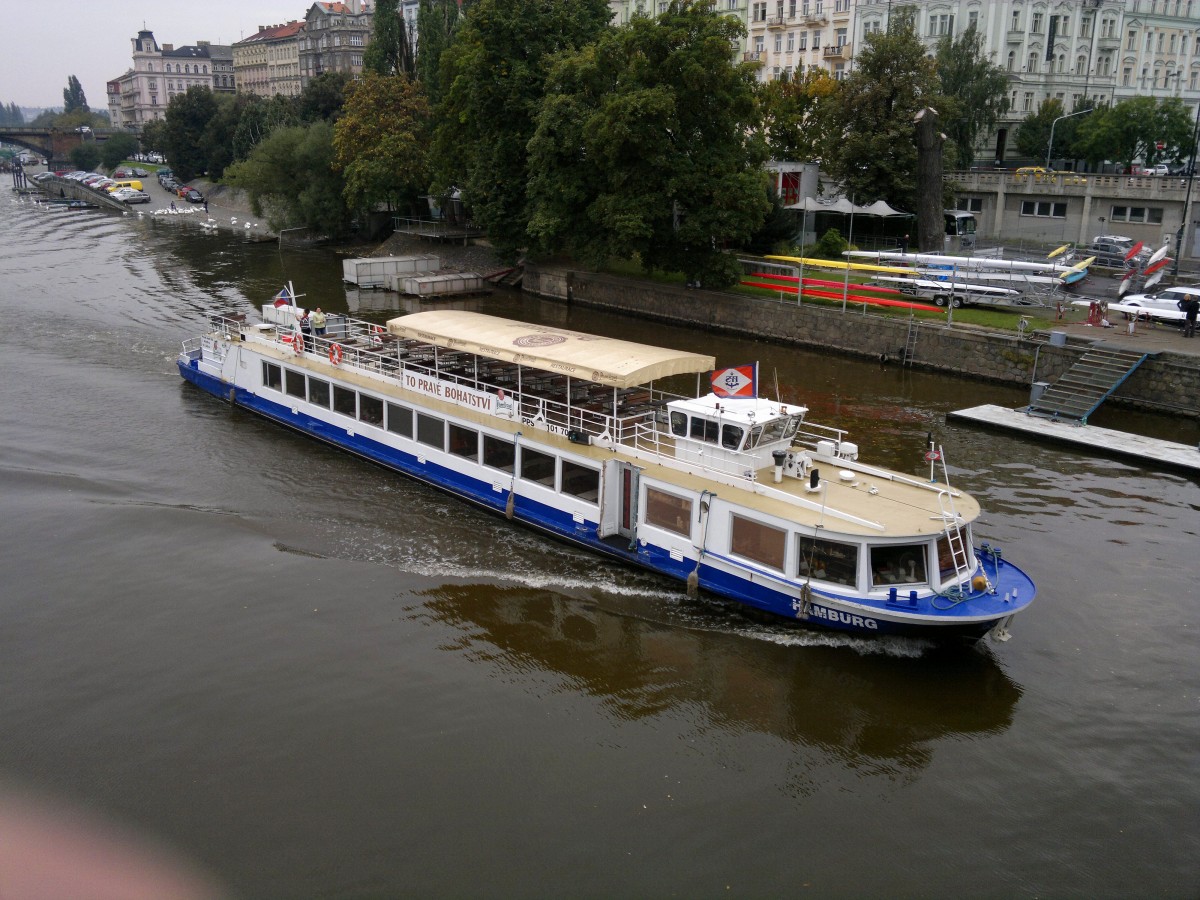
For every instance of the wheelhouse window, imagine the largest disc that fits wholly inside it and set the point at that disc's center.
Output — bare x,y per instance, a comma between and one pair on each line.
537,467
758,541
731,436
827,560
669,511
272,376
580,481
499,454
679,424
293,383
399,420
898,564
464,442
704,430
370,410
431,430
344,401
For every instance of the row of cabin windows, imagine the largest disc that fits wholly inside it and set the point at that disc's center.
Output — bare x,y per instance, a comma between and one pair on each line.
823,560
530,465
730,436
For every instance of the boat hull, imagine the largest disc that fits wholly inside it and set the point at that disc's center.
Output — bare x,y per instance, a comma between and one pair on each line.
731,580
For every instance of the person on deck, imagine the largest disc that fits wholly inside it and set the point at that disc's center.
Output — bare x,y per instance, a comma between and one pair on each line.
306,324
318,322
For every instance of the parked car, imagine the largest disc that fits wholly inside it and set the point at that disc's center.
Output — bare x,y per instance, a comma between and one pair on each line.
91,178
183,189
1165,300
129,195
1160,169
1111,250
193,196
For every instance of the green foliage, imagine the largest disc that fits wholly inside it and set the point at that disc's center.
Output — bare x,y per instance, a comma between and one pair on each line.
219,139
1130,130
381,141
831,245
322,98
974,92
188,115
791,111
1032,139
437,24
390,51
869,137
259,118
777,230
496,70
646,146
289,178
116,148
10,114
85,156
73,96
154,136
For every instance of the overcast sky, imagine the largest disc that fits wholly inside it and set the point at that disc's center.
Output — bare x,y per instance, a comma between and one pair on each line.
41,45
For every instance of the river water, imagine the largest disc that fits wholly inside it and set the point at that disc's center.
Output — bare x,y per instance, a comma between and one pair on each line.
311,677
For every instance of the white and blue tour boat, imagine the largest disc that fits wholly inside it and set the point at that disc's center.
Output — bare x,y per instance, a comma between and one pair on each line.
573,434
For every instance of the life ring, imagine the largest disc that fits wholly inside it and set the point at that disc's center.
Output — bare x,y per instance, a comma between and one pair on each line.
298,343
335,354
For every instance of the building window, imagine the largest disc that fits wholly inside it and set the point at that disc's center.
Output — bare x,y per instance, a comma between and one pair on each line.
431,430
1035,24
758,541
1043,209
827,561
969,204
1147,215
669,511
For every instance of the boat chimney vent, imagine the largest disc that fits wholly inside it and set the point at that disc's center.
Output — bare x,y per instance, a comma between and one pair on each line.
779,456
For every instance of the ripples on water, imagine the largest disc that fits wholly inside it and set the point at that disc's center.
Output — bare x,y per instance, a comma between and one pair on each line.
318,677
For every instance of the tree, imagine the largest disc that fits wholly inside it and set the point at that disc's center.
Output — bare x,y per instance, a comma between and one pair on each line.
1131,130
154,135
792,109
117,148
1032,138
259,118
85,157
10,114
289,178
381,141
974,92
646,147
218,140
188,115
73,96
390,51
496,70
868,143
322,98
437,23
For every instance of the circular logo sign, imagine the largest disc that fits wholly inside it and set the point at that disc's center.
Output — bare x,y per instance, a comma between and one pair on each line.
539,340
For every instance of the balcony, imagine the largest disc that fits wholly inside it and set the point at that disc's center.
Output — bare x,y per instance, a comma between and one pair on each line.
754,57
836,51
816,19
776,22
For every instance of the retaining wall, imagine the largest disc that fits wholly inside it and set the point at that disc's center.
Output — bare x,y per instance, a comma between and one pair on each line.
1169,382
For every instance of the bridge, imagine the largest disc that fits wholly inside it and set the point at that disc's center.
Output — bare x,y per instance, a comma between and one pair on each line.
53,143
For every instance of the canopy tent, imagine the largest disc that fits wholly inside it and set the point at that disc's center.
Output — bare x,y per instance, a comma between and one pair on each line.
845,207
602,360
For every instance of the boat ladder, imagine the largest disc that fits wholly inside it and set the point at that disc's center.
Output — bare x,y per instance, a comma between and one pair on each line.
960,553
910,344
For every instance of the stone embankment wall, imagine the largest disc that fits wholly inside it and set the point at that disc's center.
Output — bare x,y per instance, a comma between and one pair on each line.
1166,383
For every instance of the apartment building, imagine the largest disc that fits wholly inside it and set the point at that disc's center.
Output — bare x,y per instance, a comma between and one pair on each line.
142,93
268,62
334,38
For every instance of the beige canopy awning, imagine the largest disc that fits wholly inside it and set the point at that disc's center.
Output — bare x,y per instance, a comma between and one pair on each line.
603,360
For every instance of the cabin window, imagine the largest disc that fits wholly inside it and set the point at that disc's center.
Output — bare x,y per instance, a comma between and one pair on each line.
669,511
464,442
431,430
775,430
537,467
344,401
758,541
272,377
827,561
902,564
731,436
399,420
499,454
580,481
293,383
755,434
945,556
318,392
370,410
704,430
679,424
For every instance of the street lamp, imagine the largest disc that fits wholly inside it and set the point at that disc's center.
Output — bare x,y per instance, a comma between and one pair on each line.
1050,146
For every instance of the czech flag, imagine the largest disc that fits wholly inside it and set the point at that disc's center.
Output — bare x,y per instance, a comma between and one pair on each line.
283,298
737,382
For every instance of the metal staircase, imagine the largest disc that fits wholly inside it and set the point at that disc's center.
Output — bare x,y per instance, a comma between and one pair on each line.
1087,384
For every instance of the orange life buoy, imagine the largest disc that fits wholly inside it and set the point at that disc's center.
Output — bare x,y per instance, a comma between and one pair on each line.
298,343
335,353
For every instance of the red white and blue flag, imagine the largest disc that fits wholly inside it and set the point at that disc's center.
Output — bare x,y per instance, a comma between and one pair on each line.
284,298
736,382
